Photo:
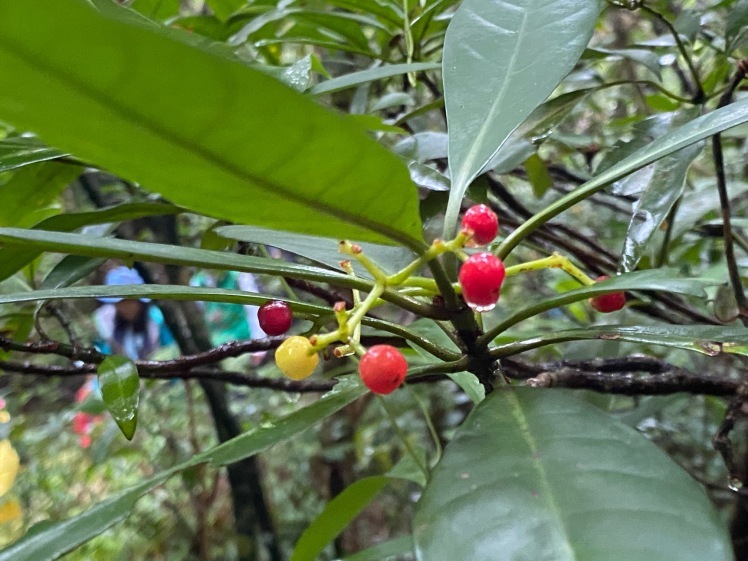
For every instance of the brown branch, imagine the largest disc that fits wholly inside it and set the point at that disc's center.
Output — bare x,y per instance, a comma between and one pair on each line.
201,373
676,381
724,200
616,376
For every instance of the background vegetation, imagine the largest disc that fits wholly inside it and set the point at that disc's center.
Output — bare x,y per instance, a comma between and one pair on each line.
179,136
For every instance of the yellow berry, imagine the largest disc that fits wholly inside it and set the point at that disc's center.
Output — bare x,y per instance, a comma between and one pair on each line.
293,358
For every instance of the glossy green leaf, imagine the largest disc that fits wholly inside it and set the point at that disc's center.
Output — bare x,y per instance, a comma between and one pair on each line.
202,142
664,187
493,52
710,340
16,152
13,259
385,550
686,135
539,475
50,540
120,390
337,514
321,250
92,246
371,75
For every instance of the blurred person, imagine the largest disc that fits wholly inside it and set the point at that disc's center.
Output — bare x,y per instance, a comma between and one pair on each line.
230,322
130,327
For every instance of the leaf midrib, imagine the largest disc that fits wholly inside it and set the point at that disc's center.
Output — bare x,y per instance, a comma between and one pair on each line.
14,50
547,491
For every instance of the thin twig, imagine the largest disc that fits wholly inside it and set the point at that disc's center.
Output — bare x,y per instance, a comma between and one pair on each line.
724,199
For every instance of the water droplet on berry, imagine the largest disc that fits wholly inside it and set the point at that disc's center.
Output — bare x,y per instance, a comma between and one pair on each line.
480,309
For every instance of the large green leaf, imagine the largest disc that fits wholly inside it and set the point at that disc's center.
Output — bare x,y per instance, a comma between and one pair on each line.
181,121
539,475
690,133
120,390
710,340
501,60
664,187
50,540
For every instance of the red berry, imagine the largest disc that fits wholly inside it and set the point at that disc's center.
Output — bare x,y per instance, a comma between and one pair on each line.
482,222
383,369
481,277
608,302
275,317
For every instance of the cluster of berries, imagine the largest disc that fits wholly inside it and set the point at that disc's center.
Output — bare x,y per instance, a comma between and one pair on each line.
482,274
383,367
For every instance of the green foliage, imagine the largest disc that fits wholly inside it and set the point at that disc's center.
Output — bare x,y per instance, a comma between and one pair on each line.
252,137
531,459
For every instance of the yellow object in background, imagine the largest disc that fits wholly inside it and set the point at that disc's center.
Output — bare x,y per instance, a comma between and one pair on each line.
10,511
9,464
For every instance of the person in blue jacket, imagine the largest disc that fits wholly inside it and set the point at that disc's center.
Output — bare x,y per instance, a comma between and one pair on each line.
130,327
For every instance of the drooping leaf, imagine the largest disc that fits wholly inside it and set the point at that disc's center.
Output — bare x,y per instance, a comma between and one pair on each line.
664,188
201,140
492,54
120,390
321,250
47,541
21,151
337,514
538,474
